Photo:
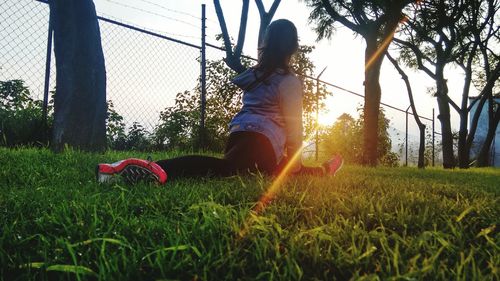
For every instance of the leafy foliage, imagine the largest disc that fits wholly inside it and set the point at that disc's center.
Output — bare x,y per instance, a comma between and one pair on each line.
22,121
21,117
177,128
345,137
180,124
115,127
312,92
366,18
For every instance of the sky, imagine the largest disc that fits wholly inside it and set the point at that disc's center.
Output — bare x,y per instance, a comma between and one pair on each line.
342,55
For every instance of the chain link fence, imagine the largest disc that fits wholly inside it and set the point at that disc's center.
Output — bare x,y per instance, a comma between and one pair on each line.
24,29
147,69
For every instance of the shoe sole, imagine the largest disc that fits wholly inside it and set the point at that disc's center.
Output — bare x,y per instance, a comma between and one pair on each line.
133,174
340,167
336,170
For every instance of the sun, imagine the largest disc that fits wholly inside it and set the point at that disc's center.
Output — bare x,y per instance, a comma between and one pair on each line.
326,118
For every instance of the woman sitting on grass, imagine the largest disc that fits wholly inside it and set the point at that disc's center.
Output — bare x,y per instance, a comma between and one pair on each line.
265,135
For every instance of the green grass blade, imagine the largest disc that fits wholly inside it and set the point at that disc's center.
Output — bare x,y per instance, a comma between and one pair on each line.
77,269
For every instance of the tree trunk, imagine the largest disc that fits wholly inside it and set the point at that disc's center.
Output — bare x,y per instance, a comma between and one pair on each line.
372,102
444,118
80,99
483,159
475,121
264,23
421,147
463,152
421,126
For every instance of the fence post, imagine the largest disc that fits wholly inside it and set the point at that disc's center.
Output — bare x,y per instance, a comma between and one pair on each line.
433,130
406,137
48,59
317,117
203,89
317,112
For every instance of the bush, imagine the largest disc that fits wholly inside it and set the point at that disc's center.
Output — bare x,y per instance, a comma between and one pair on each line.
21,117
345,137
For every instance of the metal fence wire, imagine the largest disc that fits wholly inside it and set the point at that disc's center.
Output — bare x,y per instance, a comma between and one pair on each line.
145,69
23,45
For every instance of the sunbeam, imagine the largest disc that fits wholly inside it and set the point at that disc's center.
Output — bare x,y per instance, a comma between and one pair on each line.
385,43
273,189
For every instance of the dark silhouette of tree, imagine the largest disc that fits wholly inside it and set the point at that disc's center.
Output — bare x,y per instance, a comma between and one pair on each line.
265,17
376,22
477,59
233,55
421,126
483,159
80,99
443,32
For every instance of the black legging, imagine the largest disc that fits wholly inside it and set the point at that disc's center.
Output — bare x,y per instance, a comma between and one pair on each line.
245,152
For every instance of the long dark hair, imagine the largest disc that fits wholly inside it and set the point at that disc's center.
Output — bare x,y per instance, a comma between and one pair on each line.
280,43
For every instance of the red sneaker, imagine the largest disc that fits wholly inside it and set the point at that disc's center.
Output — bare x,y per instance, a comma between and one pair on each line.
333,165
132,170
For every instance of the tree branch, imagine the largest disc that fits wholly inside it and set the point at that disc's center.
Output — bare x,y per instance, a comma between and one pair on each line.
418,55
232,60
223,27
357,12
408,87
495,74
421,126
265,18
273,9
337,17
468,77
260,7
243,28
422,34
452,103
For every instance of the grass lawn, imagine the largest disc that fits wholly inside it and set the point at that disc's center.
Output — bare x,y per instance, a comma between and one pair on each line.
363,224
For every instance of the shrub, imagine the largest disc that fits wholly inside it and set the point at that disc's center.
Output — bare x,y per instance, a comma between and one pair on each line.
21,117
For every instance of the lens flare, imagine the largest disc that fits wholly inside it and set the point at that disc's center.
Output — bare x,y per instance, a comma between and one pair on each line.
385,43
268,196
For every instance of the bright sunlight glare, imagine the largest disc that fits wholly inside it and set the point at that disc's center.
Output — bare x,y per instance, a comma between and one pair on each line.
327,118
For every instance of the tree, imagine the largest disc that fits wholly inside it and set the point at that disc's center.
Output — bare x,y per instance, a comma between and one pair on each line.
477,60
233,56
421,126
80,99
376,22
115,128
429,41
443,32
345,137
303,66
